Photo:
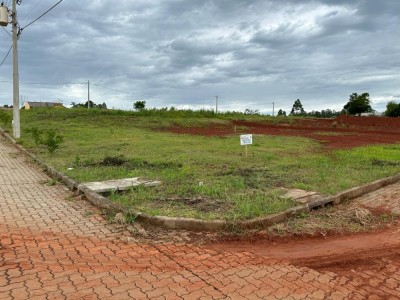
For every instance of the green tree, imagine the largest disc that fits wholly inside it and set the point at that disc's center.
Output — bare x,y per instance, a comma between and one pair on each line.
91,105
392,109
325,113
251,111
358,104
297,108
282,113
139,105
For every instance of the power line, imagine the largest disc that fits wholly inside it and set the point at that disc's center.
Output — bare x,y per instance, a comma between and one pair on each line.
9,50
6,31
25,16
115,90
43,14
120,91
49,84
58,83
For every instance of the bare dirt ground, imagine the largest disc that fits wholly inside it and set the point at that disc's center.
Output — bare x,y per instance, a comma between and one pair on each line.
341,132
355,256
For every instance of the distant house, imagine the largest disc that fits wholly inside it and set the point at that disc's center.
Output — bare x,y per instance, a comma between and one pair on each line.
371,114
30,105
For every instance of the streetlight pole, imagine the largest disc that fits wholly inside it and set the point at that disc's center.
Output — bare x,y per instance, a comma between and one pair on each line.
16,115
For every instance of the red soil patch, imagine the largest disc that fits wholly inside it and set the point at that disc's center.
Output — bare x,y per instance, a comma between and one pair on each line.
341,132
339,254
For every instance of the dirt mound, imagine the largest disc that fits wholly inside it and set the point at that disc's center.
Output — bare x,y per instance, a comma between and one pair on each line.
369,121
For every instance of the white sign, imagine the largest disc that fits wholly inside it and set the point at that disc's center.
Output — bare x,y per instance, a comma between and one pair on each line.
246,139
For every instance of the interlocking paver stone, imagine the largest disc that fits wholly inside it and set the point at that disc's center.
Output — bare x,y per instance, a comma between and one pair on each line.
56,246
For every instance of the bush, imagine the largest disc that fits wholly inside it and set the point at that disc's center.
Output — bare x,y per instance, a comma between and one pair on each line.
36,135
52,140
5,118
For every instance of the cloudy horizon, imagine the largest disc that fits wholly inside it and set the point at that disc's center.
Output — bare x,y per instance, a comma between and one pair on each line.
184,53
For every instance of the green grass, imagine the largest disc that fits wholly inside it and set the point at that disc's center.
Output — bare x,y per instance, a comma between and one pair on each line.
202,177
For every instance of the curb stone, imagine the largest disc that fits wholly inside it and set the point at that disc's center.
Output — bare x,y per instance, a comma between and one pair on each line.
94,198
205,225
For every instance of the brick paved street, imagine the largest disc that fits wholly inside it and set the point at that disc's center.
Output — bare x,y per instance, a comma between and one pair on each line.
55,246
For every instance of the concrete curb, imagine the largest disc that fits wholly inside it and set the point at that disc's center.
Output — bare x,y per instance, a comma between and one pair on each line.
205,225
94,198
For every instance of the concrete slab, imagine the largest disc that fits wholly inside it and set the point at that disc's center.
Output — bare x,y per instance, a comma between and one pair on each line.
301,196
119,184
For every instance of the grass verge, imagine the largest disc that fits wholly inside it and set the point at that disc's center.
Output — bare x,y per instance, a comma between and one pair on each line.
203,177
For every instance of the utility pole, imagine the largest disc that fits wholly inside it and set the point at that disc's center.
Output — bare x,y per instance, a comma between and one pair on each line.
216,104
273,109
88,94
16,116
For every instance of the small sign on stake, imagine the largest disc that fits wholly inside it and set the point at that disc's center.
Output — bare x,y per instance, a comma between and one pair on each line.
246,139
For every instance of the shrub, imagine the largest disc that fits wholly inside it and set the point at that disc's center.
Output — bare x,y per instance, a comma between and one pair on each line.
5,118
52,140
36,135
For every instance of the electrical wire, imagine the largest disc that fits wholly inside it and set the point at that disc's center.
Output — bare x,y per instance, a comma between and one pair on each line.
107,88
9,50
129,93
43,14
49,84
59,83
26,16
120,91
6,31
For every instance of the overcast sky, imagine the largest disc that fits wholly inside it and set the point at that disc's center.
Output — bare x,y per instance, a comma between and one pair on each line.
183,53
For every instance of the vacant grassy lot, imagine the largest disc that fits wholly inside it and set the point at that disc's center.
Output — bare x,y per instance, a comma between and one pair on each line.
203,177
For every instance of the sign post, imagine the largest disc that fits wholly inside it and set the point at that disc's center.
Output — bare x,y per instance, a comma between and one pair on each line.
245,140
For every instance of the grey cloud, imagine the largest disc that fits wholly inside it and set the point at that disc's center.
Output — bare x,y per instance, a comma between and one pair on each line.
283,36
179,52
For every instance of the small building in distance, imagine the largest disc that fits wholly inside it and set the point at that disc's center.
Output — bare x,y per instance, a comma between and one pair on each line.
30,105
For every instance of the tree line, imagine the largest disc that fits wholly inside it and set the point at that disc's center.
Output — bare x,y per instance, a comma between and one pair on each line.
91,105
357,105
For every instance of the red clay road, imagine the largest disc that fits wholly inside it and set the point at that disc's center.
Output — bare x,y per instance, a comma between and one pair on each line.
56,247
